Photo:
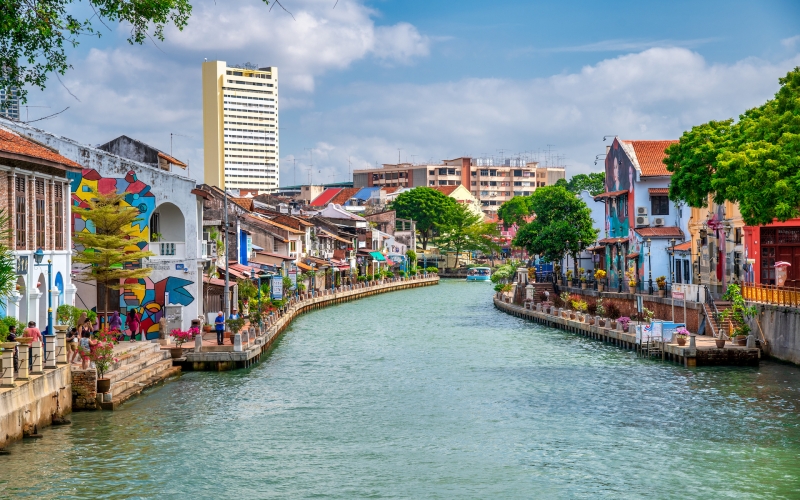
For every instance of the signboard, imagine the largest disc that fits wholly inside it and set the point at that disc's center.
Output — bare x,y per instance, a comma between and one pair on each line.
22,264
293,278
179,267
677,295
276,287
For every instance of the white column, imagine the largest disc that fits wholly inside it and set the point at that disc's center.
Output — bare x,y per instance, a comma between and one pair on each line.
12,307
70,290
8,363
53,303
34,296
61,348
50,351
36,354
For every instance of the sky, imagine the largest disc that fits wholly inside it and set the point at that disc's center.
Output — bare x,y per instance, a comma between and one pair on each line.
363,82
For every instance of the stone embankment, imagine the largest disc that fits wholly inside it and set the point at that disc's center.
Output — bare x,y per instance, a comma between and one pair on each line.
250,345
701,350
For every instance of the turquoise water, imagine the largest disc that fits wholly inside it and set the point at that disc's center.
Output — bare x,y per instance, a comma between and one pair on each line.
432,393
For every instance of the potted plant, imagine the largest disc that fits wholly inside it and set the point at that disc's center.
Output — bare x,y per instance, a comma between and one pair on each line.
737,314
661,281
624,321
155,237
583,282
599,275
557,272
681,334
180,337
569,278
208,328
235,325
102,354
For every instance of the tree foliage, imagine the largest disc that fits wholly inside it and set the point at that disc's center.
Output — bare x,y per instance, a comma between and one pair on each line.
113,244
465,230
8,276
514,211
562,225
595,183
427,207
754,162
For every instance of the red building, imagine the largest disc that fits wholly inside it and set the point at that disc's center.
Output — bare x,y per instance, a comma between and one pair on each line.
766,245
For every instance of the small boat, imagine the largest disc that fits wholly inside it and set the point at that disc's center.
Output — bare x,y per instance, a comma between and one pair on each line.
479,274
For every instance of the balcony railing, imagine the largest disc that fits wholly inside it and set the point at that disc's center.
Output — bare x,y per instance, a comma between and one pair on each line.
168,249
771,294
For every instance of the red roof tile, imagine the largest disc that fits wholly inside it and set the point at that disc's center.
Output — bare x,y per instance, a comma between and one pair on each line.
344,195
325,198
658,191
660,232
445,190
246,203
683,247
11,142
610,194
389,190
649,155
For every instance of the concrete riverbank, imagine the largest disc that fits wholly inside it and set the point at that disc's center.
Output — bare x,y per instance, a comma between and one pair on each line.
704,353
251,345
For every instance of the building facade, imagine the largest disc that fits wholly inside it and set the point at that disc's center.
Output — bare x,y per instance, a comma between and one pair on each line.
9,103
240,127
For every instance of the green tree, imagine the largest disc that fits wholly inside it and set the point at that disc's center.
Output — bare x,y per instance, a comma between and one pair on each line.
754,162
514,211
427,207
595,183
8,275
562,225
113,244
465,230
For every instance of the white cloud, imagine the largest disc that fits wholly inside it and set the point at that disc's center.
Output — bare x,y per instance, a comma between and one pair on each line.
654,94
790,42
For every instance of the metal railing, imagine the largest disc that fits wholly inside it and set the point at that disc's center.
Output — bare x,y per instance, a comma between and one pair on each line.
771,294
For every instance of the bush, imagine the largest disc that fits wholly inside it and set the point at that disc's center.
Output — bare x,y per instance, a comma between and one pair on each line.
591,307
362,279
432,269
613,311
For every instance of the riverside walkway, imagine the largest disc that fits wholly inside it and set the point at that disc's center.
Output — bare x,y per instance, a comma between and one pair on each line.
703,353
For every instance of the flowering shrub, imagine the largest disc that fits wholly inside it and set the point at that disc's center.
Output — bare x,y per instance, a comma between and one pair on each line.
102,353
181,336
624,320
599,274
681,332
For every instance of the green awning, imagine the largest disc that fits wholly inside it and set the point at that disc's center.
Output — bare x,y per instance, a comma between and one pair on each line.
378,256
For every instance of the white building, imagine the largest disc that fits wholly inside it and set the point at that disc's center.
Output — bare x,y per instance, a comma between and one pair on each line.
240,127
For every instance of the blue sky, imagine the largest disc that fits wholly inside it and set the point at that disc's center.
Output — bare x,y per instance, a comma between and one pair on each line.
441,79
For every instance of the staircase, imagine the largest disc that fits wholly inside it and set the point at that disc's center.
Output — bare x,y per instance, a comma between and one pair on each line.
141,365
540,288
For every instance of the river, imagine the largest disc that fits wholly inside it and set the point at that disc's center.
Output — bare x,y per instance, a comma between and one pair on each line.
432,393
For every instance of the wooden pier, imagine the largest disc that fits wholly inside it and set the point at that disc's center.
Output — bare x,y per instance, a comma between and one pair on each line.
704,353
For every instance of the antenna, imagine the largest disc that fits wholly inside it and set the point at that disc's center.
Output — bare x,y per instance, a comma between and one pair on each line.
311,165
398,155
27,111
171,135
605,136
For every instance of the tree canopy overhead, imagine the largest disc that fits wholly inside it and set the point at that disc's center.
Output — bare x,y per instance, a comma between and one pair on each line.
465,230
562,225
754,162
428,207
514,211
595,183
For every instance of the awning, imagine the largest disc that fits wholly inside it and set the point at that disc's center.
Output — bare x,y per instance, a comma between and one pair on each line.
611,241
610,194
633,255
303,266
596,248
378,256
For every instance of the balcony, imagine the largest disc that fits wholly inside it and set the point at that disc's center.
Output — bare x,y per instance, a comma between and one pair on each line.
168,250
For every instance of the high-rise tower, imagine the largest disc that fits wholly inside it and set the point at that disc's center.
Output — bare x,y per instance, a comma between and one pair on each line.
240,127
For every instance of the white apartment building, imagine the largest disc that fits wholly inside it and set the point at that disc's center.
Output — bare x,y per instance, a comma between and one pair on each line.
240,127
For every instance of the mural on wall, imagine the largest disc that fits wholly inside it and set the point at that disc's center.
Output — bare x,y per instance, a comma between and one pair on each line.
620,176
149,301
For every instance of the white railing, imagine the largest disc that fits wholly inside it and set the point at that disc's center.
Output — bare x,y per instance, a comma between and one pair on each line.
168,249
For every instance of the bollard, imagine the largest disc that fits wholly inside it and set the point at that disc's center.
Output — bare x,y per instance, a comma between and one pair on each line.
50,351
61,348
23,361
619,326
36,357
597,320
8,363
751,341
198,343
692,342
237,342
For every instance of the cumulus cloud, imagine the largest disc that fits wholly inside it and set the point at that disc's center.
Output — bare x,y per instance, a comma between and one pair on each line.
654,94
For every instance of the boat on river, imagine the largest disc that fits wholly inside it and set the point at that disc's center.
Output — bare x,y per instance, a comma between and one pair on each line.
479,274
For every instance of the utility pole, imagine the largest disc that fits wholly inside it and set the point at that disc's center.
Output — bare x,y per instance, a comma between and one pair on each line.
398,155
226,304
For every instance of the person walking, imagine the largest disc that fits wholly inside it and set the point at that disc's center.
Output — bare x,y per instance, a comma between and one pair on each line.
134,322
85,347
219,324
115,323
12,337
73,339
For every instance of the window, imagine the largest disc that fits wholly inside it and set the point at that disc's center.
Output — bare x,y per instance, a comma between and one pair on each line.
432,183
58,208
442,183
474,183
484,172
517,173
442,171
659,205
622,206
451,171
431,172
20,206
39,185
292,246
517,183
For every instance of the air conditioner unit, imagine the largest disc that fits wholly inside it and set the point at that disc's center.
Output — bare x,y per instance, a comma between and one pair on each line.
658,221
642,221
641,211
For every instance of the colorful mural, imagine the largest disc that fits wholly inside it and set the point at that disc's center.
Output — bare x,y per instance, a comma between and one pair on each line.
149,300
620,176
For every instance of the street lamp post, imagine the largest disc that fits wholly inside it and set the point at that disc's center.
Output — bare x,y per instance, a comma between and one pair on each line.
38,256
650,270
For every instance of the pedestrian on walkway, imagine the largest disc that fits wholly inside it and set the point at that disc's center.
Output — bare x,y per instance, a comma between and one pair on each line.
134,322
72,344
115,323
33,332
12,337
219,324
85,347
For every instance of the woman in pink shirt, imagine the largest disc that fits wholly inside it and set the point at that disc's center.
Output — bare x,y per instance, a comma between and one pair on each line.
33,332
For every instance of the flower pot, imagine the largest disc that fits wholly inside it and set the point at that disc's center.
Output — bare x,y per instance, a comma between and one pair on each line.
661,293
720,343
569,283
583,286
681,341
613,325
176,352
207,328
25,340
741,340
599,287
103,385
560,282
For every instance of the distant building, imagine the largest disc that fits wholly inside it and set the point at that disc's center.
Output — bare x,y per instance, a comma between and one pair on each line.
491,185
240,127
9,104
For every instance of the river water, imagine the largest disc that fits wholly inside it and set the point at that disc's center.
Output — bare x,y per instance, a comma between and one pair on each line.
432,393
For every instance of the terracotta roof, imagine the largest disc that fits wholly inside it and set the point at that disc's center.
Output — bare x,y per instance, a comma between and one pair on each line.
13,143
649,155
325,198
595,248
389,190
275,224
658,191
632,255
246,203
276,255
606,241
216,281
303,266
683,247
171,159
610,194
344,195
445,190
331,235
660,232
